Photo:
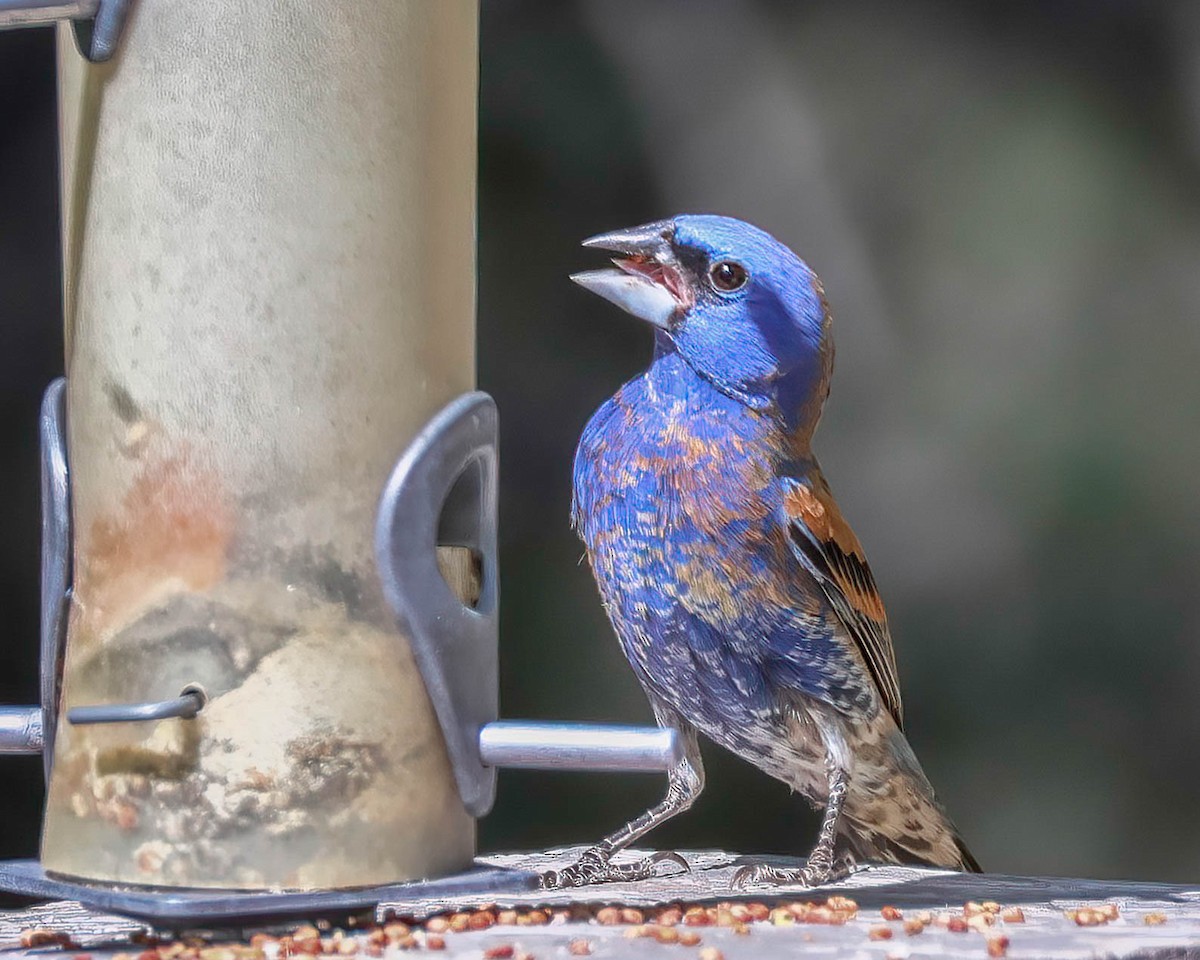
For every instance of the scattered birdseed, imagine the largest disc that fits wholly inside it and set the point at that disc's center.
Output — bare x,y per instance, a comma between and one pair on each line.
1093,916
972,909
980,922
41,937
698,917
678,923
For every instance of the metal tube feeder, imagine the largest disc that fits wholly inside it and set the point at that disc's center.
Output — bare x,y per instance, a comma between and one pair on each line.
269,642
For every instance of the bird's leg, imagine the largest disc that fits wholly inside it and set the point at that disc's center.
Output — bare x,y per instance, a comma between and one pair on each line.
684,783
820,868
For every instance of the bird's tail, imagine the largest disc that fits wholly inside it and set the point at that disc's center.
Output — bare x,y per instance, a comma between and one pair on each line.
892,815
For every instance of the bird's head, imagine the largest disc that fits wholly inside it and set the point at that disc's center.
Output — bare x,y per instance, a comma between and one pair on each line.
742,310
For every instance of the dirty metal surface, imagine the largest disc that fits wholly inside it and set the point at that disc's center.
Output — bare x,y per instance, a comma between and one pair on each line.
1045,933
168,908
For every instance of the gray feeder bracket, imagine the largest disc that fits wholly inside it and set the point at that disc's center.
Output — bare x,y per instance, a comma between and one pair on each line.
97,23
31,729
441,493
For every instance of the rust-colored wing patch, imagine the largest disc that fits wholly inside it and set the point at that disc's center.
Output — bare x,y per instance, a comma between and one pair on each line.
827,547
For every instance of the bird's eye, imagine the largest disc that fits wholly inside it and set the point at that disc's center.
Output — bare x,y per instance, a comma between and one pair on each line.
728,276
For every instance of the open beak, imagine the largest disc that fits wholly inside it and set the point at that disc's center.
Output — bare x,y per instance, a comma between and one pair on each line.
646,281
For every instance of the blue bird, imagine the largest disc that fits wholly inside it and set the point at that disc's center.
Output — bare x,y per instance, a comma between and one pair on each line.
739,594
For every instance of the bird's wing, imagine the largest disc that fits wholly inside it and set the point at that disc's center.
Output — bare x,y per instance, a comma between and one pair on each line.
824,543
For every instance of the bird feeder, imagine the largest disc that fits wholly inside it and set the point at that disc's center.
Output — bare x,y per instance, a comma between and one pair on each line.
269,644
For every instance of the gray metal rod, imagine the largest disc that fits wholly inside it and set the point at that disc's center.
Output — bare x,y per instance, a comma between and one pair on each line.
185,706
578,746
20,730
28,13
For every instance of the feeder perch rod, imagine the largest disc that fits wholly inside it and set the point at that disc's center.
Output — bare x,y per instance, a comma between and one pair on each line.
20,730
29,13
97,23
578,746
185,706
528,745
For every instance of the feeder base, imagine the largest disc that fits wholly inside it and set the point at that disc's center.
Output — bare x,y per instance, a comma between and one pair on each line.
165,907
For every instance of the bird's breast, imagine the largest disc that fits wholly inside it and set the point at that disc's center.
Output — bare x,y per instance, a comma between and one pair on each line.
677,506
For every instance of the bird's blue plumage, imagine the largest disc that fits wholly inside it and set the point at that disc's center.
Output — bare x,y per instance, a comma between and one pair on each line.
719,617
739,594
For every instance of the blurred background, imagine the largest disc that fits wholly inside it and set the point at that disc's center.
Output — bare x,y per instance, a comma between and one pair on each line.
1002,201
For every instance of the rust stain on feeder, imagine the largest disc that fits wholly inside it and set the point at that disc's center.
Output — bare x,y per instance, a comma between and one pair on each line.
172,531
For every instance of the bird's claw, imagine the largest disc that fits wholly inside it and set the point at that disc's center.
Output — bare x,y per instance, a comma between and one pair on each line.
596,866
817,872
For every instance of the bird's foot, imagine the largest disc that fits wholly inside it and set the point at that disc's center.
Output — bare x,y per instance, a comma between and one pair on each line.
819,871
596,866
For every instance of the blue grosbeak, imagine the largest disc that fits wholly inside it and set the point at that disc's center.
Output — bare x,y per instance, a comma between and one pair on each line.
740,595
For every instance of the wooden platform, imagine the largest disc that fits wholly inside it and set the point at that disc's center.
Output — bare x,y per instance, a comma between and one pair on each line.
1048,929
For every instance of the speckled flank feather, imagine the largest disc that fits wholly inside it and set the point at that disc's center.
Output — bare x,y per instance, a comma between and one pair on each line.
891,812
738,592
